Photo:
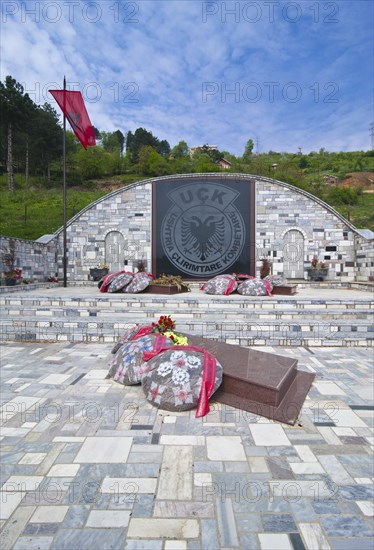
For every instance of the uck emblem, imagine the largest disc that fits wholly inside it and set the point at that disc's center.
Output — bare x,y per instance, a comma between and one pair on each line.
203,232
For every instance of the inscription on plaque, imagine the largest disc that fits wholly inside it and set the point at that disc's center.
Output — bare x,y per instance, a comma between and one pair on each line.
201,228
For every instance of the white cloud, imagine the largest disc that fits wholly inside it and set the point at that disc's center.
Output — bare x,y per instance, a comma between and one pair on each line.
166,50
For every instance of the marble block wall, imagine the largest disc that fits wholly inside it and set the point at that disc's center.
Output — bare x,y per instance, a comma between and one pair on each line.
117,230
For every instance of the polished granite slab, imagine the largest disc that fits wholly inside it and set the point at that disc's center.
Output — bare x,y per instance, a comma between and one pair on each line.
264,383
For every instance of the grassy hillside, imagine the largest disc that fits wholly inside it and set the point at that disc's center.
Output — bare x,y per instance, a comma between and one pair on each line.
31,212
36,211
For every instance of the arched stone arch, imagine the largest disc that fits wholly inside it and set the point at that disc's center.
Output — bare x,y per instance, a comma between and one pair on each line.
293,253
295,228
114,250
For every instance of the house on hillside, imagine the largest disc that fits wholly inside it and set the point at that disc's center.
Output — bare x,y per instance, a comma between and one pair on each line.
225,164
330,180
205,148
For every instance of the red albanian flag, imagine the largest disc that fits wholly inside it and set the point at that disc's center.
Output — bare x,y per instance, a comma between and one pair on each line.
73,107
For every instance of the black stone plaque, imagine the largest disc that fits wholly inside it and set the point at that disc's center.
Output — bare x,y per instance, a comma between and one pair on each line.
203,226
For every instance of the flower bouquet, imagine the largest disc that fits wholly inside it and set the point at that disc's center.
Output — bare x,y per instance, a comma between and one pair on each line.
13,276
165,326
317,270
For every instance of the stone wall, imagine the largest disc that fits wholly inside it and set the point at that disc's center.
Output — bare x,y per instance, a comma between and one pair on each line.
364,259
112,230
292,226
38,261
322,232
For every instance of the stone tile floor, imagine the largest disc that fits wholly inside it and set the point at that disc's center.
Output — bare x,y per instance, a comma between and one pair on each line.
88,464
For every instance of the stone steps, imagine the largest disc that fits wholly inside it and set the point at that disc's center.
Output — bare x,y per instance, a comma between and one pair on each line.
251,332
244,320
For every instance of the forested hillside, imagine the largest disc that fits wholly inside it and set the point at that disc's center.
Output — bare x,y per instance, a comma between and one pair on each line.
31,167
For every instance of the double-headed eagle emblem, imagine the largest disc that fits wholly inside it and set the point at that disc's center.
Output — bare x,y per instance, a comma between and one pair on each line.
203,238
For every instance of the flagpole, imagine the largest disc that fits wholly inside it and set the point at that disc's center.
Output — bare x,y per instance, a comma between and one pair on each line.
64,186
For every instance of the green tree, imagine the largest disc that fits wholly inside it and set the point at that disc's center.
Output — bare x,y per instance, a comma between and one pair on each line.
180,150
14,108
46,138
248,150
112,141
141,138
347,197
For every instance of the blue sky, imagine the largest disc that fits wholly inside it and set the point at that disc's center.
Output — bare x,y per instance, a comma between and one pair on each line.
292,74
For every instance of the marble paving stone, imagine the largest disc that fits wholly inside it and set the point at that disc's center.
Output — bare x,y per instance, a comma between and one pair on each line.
55,379
63,470
249,522
336,471
52,455
272,542
325,507
269,435
31,542
41,528
131,485
225,448
305,453
143,506
313,536
104,450
32,458
76,515
346,526
329,436
163,528
22,388
201,479
226,523
97,374
249,541
175,480
14,432
89,539
15,526
68,439
296,541
307,468
22,483
143,545
175,545
279,468
49,514
11,380
361,466
328,388
182,440
209,534
258,464
19,404
351,543
347,419
108,518
363,480
168,508
169,419
357,492
344,431
236,466
278,523
366,507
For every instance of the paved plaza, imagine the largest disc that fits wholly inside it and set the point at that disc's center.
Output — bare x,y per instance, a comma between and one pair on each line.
88,464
